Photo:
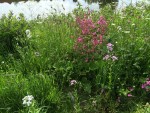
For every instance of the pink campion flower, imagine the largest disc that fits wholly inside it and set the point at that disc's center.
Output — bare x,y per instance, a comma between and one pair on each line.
129,95
106,57
90,23
98,29
93,26
131,88
94,34
85,31
148,82
100,39
143,86
114,58
80,39
146,85
86,24
95,42
103,25
102,21
73,82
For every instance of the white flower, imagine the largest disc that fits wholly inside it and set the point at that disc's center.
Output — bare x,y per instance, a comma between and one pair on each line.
27,100
37,54
126,32
28,33
73,82
39,22
119,28
94,102
113,24
122,17
28,103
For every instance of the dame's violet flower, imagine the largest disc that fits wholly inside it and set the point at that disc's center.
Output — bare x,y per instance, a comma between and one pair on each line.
106,57
114,58
27,100
73,82
109,46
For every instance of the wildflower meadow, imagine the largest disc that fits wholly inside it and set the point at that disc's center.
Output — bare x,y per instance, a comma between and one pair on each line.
82,62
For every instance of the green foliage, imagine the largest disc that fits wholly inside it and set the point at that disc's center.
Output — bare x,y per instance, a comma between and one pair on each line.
14,87
143,108
12,33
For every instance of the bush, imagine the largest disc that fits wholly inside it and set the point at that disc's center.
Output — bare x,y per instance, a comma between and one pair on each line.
12,33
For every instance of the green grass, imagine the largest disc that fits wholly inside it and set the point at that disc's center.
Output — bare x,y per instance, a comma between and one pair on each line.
44,64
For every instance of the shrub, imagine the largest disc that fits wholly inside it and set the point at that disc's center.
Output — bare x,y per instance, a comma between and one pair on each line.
12,33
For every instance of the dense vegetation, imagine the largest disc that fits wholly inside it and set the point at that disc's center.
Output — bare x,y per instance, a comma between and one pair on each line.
83,62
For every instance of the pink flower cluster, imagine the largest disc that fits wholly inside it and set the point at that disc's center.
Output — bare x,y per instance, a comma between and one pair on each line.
91,37
109,56
86,24
146,85
103,25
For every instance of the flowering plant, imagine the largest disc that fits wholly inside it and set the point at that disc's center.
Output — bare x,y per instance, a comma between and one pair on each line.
90,39
27,100
146,85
